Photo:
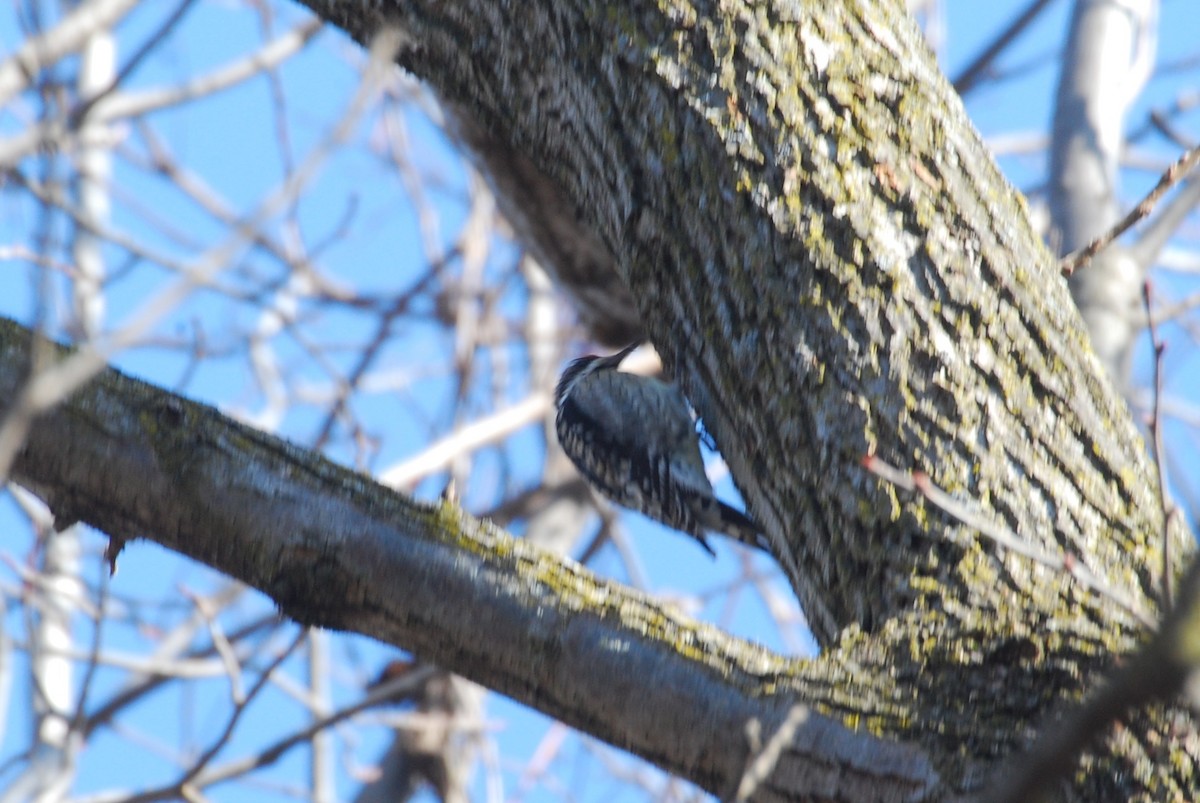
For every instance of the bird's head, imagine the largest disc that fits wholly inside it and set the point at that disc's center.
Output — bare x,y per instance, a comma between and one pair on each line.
584,366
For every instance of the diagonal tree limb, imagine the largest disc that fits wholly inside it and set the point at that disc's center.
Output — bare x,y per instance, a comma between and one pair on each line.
334,549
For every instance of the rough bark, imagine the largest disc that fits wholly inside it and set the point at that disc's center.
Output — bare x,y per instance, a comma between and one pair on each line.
548,225
334,549
825,254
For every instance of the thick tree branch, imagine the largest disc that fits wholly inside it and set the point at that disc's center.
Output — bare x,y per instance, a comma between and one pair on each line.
334,549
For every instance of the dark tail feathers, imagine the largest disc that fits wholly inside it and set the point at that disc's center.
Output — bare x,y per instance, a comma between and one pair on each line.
740,527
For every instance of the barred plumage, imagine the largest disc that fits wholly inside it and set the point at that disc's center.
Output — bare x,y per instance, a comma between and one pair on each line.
634,439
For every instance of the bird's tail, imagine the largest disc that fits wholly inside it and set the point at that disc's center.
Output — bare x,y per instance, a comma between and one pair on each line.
740,527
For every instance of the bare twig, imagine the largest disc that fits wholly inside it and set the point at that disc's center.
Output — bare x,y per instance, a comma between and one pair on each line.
1185,163
1156,446
89,102
479,433
765,757
970,76
384,693
45,388
39,52
197,766
79,719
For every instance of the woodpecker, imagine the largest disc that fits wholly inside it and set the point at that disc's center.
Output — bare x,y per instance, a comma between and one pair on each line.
635,440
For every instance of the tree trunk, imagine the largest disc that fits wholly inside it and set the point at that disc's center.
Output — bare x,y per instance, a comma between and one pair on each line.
1108,57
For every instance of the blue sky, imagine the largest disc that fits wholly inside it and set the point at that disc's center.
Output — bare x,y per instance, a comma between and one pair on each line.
359,221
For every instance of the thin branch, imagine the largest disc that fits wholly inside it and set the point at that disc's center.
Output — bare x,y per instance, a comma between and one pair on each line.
142,686
81,111
40,52
1156,446
108,107
971,75
47,387
492,429
764,758
1182,166
186,781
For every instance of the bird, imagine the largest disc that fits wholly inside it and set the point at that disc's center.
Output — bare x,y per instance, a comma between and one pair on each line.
634,439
